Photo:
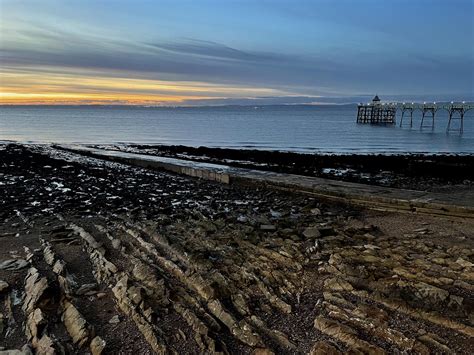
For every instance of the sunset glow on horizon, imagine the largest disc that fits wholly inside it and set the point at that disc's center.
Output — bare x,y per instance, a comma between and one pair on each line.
35,87
187,53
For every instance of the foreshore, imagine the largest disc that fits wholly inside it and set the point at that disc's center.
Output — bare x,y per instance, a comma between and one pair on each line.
127,259
414,171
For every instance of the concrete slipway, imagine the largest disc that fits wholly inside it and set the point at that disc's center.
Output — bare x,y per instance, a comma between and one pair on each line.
375,197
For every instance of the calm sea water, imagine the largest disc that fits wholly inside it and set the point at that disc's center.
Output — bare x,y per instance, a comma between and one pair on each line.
295,128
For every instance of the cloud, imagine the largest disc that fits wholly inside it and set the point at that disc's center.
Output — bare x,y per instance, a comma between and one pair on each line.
215,51
347,72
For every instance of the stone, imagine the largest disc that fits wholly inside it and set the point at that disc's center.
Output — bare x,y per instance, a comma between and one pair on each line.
433,294
262,351
316,211
337,284
34,322
114,320
464,263
371,247
13,264
346,335
75,324
311,232
85,289
25,350
116,244
3,286
101,295
35,287
242,219
97,345
323,348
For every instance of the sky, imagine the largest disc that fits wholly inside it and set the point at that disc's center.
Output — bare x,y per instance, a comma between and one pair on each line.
202,52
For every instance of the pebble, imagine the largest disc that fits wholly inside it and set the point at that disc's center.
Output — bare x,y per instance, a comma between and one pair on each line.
316,211
114,320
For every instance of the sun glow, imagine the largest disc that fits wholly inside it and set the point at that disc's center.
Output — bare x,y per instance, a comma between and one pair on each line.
28,87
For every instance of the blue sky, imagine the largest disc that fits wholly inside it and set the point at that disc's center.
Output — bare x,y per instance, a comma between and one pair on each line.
193,51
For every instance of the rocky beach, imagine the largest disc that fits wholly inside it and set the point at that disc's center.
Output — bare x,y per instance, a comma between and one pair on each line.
102,257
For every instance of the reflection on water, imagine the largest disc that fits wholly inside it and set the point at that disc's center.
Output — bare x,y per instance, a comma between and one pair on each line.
298,128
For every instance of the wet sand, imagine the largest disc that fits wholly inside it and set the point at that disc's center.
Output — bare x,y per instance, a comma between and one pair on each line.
142,261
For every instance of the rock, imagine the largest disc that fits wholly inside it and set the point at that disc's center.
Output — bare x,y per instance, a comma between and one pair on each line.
3,286
316,211
85,289
337,284
464,263
323,348
275,214
101,295
35,287
116,244
429,339
34,322
421,230
13,264
114,320
267,227
242,219
241,330
97,345
25,350
431,294
75,324
346,335
262,351
311,232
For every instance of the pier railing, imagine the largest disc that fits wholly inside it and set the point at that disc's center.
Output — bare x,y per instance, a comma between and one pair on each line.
376,113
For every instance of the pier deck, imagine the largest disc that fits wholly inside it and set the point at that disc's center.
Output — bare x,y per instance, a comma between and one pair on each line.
376,112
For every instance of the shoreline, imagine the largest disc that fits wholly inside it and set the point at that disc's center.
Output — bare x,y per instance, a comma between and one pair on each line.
200,266
298,151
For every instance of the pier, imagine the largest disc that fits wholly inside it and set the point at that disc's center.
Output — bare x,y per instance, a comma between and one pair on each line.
376,112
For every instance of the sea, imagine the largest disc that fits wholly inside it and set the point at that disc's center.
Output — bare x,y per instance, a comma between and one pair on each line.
299,128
